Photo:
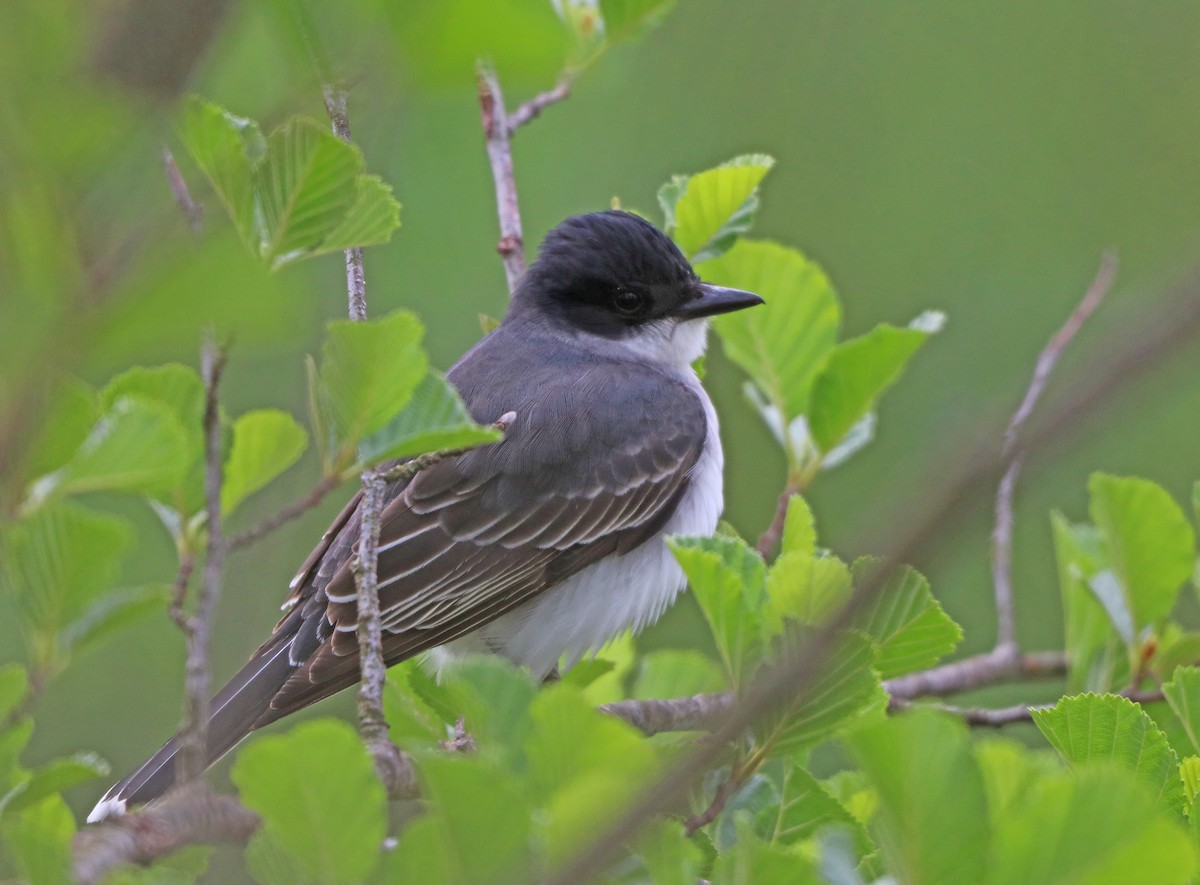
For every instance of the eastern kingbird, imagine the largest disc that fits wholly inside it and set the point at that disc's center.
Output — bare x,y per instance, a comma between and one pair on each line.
546,544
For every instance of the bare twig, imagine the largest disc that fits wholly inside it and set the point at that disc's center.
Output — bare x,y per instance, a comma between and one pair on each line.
193,737
702,712
179,589
356,283
1047,359
531,109
988,717
769,539
997,666
287,514
496,130
192,211
720,799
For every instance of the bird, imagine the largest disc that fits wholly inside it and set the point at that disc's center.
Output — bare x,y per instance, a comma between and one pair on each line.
546,544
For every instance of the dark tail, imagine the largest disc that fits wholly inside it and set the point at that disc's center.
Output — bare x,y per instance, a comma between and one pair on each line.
236,710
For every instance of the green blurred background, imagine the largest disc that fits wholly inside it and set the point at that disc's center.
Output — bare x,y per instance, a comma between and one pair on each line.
970,157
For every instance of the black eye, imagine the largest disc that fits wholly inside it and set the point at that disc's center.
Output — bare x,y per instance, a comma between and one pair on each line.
628,302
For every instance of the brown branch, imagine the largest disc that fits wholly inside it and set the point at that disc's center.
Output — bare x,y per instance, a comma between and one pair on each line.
530,110
356,282
720,799
989,717
1001,664
701,712
193,737
192,211
496,130
769,539
287,514
371,722
179,590
1002,535
187,816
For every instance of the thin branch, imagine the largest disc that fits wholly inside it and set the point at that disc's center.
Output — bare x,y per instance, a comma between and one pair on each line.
769,539
988,717
179,590
720,799
530,110
193,737
356,282
1002,535
192,211
999,665
701,712
287,514
496,129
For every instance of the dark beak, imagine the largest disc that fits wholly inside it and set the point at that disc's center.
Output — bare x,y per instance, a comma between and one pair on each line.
711,300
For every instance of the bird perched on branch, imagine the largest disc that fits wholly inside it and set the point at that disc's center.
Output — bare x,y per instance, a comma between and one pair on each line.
546,544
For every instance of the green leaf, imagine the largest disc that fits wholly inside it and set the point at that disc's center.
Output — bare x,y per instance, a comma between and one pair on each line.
14,685
53,778
411,721
625,19
669,856
1183,695
783,344
72,411
676,673
805,589
266,442
754,862
1090,728
57,562
1010,770
717,206
493,696
370,371
727,578
111,613
482,817
306,187
799,528
371,219
570,738
172,384
932,821
331,816
912,629
435,419
845,688
184,867
1091,644
585,768
1149,541
137,446
801,807
39,840
227,149
857,372
1096,826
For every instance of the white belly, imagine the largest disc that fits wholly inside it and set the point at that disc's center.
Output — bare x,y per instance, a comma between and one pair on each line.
618,593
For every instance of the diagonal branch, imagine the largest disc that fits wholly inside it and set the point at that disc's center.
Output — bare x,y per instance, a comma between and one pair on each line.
1006,636
532,109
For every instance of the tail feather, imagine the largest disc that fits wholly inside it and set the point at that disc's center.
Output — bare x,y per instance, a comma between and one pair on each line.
235,712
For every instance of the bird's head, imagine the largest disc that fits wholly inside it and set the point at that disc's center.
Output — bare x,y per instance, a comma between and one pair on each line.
616,276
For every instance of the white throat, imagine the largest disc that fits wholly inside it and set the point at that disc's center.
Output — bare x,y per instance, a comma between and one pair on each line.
673,343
